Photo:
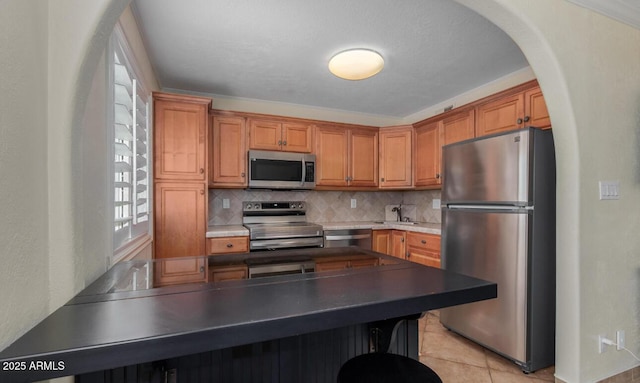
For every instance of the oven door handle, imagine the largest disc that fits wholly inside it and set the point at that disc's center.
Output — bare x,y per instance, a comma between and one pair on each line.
343,237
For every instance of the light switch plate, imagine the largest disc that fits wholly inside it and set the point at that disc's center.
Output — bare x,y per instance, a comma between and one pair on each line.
354,203
436,203
609,189
225,203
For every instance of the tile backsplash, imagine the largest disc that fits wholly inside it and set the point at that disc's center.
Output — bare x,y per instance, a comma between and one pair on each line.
326,206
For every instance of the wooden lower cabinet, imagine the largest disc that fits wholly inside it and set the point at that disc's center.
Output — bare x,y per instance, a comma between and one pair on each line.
228,273
381,241
224,245
423,248
180,271
341,263
398,246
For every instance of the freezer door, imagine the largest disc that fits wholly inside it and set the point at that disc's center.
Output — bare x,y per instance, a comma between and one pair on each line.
493,169
490,245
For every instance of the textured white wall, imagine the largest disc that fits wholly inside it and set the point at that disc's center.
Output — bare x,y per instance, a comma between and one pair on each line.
23,167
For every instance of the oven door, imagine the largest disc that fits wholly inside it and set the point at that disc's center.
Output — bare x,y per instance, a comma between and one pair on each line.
278,170
285,243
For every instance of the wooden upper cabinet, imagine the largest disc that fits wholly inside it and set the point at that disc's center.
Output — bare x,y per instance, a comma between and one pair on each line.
332,156
500,115
518,108
363,158
228,152
428,154
346,157
396,157
458,127
180,137
281,136
536,113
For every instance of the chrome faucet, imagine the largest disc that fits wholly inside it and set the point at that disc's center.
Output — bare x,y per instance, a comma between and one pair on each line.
398,211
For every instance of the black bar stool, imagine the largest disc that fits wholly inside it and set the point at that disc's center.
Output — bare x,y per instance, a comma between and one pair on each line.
382,367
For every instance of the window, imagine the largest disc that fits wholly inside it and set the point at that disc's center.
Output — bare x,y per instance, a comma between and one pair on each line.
131,146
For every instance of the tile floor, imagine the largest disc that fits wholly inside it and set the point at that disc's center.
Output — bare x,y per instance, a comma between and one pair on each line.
457,359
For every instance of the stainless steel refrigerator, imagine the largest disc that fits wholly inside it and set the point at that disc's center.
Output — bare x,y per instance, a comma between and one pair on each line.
498,222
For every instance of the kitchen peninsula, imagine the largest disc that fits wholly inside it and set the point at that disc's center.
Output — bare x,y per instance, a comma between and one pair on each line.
274,326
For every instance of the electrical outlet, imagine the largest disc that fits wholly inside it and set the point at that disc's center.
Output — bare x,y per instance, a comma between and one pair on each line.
609,189
620,340
354,203
602,347
225,203
436,203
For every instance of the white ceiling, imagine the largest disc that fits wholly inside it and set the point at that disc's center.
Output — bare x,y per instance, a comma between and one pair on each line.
277,50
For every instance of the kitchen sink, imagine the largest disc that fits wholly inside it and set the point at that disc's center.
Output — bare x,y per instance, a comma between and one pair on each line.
399,223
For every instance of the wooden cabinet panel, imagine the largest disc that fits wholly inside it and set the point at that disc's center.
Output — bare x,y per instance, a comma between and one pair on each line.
395,157
229,152
180,219
180,131
363,158
228,273
332,156
536,113
381,241
224,245
180,271
280,136
459,127
500,115
428,154
265,135
297,137
423,248
398,246
342,263
332,265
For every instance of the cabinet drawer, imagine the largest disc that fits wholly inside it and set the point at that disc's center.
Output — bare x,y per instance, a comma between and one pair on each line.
228,273
424,241
224,245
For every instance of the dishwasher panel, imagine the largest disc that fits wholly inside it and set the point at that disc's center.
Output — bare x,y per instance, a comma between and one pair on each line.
348,237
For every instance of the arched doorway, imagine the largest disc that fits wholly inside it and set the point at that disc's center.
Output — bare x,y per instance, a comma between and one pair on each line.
543,62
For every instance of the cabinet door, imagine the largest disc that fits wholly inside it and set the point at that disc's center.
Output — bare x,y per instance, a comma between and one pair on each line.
265,135
536,113
500,115
381,241
363,158
331,156
180,271
180,219
428,154
296,137
229,157
423,248
398,247
180,131
395,158
459,127
332,265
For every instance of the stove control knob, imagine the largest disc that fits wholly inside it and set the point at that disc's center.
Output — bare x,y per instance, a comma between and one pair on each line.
248,206
256,206
300,205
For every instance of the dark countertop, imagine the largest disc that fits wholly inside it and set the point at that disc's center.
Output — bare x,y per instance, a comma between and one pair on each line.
97,331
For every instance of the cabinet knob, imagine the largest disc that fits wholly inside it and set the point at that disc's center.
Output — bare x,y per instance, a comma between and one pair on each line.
519,121
201,170
284,143
201,191
229,245
202,269
424,241
242,174
437,175
382,179
527,118
279,142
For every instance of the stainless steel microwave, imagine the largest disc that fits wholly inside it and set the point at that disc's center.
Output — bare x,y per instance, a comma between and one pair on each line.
281,170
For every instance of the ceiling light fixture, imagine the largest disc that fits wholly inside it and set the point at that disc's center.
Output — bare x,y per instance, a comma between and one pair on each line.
356,64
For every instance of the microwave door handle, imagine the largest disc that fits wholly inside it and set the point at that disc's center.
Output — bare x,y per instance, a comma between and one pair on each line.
304,172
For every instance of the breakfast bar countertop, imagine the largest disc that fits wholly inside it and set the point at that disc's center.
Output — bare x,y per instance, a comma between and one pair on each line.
98,331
